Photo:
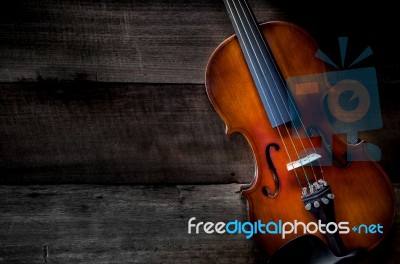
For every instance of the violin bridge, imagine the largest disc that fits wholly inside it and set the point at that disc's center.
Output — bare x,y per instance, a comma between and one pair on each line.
303,161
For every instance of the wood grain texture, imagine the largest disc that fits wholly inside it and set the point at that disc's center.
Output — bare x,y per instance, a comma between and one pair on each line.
85,132
113,41
120,224
169,41
130,224
57,128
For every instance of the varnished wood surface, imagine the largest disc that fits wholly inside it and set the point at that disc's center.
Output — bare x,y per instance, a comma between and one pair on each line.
130,224
235,98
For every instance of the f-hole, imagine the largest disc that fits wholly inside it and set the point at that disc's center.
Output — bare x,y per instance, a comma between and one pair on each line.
272,168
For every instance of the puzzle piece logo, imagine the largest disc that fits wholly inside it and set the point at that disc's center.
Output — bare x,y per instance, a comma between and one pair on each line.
350,99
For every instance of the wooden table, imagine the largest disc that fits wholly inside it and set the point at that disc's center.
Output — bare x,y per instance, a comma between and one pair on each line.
109,144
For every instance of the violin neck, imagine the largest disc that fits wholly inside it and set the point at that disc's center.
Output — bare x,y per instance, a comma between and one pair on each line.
243,20
266,76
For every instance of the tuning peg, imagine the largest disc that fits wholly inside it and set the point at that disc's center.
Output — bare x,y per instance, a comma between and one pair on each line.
316,186
322,182
330,196
325,201
304,191
308,207
316,204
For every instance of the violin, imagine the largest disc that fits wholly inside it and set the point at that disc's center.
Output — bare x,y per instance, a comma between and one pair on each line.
343,209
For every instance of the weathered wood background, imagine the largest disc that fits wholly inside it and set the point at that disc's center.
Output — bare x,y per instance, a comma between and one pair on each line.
112,92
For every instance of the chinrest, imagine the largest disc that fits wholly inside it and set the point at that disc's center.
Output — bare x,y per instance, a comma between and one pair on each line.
310,249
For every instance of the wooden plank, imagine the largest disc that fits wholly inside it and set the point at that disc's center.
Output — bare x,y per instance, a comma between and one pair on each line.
119,224
112,133
86,132
167,41
113,41
130,224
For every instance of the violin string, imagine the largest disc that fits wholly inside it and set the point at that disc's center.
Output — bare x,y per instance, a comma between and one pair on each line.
270,89
280,77
273,79
290,98
268,105
272,95
275,82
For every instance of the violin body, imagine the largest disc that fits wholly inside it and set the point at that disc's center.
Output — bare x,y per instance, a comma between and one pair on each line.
363,192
